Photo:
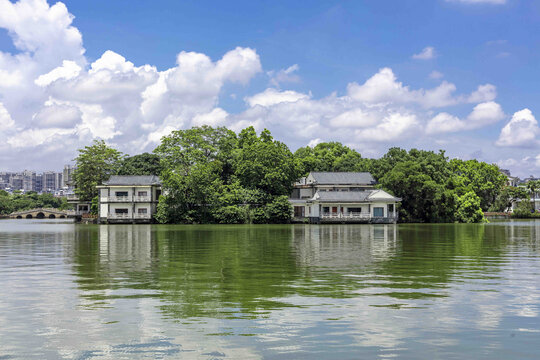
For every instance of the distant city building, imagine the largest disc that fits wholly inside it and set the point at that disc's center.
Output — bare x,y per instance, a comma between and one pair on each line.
67,176
28,180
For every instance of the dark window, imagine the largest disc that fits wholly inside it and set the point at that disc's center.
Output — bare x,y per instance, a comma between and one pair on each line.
326,209
120,211
142,211
298,211
390,208
121,193
355,210
142,193
378,211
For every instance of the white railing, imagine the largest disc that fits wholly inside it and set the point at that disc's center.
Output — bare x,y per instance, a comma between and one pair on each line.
141,199
119,216
349,215
119,198
142,216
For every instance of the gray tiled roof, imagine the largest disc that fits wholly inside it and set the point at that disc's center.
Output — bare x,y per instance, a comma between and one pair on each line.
131,180
343,178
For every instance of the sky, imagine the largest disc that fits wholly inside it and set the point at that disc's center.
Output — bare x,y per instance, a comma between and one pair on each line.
457,75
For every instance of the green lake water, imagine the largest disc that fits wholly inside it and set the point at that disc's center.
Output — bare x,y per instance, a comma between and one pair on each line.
450,291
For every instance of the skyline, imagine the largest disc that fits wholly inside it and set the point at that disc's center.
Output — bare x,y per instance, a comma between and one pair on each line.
371,76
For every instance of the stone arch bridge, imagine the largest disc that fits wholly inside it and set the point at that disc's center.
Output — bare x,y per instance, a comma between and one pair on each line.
45,213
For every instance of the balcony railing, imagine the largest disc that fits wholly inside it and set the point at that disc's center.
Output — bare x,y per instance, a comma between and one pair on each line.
119,198
119,216
142,216
349,215
128,199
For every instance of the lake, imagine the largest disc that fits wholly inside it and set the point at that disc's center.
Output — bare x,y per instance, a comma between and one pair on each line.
408,291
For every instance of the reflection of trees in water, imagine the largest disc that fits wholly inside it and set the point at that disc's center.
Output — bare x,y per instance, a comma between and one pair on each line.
231,271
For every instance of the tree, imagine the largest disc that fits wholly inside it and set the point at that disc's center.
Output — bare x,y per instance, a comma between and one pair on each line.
196,162
485,180
327,156
507,196
533,186
265,164
279,211
95,164
468,208
142,164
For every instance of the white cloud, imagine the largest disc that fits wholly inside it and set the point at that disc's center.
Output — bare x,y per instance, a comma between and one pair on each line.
521,130
483,114
486,92
68,70
216,117
272,96
392,127
426,54
54,101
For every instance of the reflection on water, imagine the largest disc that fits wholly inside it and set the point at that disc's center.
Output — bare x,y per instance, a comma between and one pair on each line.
301,291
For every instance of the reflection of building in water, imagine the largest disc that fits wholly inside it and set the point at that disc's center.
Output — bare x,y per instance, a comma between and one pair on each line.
132,243
343,246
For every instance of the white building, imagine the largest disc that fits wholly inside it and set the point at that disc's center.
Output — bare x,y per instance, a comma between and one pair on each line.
129,199
326,197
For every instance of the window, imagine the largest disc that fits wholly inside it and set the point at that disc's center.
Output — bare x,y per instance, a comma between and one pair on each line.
121,193
390,208
326,209
142,193
120,211
142,211
355,209
298,211
378,211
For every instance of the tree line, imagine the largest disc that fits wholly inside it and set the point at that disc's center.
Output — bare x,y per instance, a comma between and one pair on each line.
214,175
31,200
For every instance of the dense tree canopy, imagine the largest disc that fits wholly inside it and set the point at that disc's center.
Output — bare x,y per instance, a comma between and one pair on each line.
94,164
215,175
30,200
142,164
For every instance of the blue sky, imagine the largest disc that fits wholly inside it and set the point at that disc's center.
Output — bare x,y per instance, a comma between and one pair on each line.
301,69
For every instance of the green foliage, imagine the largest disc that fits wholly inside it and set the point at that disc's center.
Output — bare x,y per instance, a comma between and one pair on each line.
233,214
30,200
142,164
263,163
485,180
328,156
468,208
95,164
197,163
524,209
507,196
280,210
94,206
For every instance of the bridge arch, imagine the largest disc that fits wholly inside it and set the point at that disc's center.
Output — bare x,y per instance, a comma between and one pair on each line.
62,217
19,217
52,216
29,216
40,215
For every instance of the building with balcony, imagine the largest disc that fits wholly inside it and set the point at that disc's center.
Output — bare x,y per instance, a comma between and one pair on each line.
129,199
341,197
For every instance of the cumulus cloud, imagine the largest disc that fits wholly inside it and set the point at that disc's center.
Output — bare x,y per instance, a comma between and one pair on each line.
483,114
54,101
426,54
271,97
520,131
